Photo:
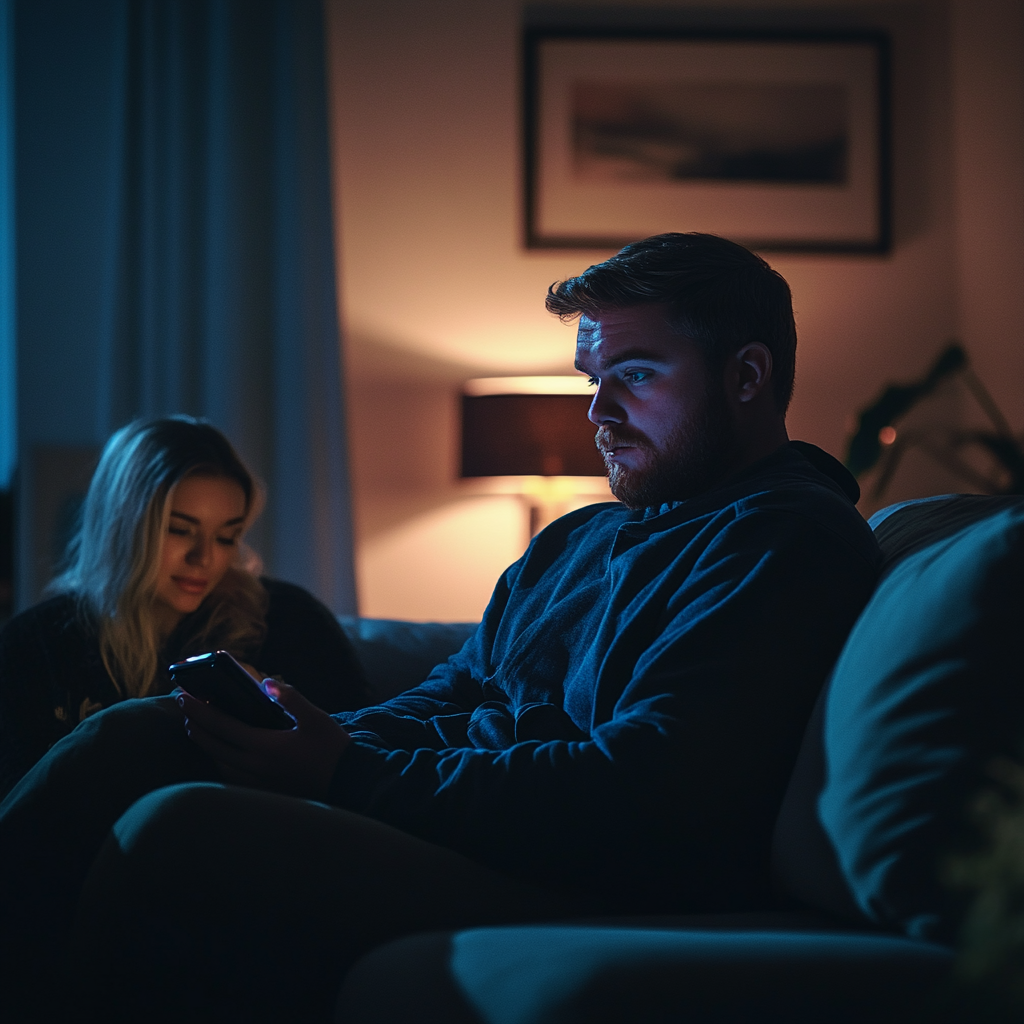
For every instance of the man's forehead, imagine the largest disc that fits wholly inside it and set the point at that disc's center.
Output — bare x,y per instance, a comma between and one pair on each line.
588,337
648,324
588,333
648,316
592,331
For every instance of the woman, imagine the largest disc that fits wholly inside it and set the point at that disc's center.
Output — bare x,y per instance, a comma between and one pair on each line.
159,572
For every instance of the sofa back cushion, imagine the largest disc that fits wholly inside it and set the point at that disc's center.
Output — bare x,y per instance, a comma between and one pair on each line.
805,868
397,655
928,688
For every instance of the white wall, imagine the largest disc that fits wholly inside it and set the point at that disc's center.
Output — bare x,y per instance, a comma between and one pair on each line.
436,286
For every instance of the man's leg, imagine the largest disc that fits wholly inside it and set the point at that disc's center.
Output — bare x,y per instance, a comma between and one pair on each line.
54,822
216,903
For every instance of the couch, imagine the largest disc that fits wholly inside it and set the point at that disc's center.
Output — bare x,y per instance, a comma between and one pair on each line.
926,691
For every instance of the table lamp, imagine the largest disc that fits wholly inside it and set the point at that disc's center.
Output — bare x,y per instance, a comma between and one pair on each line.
535,428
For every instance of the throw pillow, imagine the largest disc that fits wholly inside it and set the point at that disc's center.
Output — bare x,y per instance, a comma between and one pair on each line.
929,687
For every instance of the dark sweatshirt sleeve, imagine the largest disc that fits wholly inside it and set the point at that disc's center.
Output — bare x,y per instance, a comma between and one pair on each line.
453,690
674,794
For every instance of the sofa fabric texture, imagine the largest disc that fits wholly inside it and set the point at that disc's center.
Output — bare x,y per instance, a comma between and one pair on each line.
909,526
926,692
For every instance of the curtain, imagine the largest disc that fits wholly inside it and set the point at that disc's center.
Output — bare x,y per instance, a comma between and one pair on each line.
8,360
175,247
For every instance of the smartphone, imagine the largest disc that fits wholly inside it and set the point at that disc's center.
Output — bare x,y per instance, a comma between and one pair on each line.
218,679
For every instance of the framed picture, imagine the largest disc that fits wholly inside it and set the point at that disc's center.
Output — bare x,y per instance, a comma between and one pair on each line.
778,142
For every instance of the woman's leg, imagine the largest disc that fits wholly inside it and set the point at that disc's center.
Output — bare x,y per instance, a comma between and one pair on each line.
216,903
55,820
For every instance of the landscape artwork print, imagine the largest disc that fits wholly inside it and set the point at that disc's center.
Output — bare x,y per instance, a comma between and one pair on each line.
779,144
727,131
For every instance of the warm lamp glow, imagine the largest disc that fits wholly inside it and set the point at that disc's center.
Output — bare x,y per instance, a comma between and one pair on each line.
555,489
574,385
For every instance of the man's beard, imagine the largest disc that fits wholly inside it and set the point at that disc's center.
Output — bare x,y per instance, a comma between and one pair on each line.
695,454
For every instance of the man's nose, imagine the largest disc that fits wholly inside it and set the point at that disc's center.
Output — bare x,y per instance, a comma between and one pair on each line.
605,408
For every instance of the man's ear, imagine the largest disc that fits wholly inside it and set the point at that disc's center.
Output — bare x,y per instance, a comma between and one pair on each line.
751,371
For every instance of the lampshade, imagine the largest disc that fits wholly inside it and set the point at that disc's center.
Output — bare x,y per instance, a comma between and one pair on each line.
528,434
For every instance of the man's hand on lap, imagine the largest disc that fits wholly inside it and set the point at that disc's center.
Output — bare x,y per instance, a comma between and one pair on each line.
299,761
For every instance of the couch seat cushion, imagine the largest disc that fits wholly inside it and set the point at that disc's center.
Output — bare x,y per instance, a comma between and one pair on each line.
693,971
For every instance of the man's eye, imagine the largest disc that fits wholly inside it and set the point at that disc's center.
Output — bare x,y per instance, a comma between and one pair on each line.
228,542
636,376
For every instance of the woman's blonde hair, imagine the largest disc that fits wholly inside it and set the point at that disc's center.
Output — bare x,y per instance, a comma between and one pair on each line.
113,561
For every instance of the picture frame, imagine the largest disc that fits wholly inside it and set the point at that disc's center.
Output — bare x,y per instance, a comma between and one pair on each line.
777,141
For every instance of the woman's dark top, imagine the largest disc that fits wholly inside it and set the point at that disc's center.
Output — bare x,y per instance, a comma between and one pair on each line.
52,676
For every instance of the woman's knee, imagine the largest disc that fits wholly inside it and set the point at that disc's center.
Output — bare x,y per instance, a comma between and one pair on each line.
132,721
134,747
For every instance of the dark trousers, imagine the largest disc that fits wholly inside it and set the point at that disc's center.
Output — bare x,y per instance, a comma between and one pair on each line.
201,901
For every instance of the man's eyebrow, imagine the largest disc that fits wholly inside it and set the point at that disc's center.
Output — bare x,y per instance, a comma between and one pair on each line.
192,519
644,355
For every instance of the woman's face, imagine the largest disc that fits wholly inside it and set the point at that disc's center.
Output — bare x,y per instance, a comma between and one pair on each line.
207,516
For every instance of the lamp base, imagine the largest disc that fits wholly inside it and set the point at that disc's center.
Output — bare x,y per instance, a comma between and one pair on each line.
547,498
541,514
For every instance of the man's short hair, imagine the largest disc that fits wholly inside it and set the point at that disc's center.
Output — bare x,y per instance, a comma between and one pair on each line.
719,294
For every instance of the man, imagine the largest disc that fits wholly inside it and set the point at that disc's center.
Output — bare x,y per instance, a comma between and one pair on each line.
620,726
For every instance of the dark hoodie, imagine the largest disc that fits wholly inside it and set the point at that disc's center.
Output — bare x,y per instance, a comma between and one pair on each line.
626,717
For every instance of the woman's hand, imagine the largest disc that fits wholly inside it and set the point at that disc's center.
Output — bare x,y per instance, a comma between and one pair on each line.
299,761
